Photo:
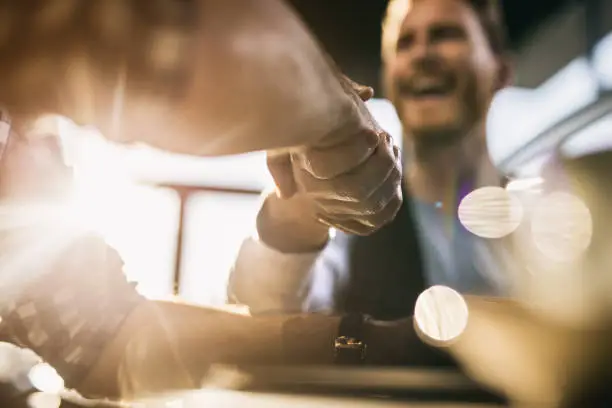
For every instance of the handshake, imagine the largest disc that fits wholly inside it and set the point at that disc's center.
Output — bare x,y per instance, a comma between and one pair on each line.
350,180
213,86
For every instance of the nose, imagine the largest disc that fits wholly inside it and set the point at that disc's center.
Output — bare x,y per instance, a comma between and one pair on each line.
422,50
421,47
424,59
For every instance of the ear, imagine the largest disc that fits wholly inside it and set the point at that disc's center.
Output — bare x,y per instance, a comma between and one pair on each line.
505,73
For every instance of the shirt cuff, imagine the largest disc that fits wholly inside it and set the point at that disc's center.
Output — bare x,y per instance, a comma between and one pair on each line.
267,280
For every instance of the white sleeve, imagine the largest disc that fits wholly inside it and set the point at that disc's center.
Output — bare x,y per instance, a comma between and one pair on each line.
267,280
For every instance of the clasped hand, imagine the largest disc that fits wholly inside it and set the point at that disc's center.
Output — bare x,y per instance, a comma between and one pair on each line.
351,178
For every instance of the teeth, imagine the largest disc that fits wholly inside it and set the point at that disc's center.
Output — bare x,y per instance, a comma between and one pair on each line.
431,90
427,88
428,85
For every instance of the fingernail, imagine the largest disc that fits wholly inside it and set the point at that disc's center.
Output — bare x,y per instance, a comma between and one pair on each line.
396,152
374,139
389,138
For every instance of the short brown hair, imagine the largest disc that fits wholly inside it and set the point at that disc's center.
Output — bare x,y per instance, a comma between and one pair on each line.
489,13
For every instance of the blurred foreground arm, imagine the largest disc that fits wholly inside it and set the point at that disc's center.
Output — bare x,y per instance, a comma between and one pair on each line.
205,77
197,76
534,361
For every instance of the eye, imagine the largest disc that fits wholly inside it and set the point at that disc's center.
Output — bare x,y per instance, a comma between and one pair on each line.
405,41
447,32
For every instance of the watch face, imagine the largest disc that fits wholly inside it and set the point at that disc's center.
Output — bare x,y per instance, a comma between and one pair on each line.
349,350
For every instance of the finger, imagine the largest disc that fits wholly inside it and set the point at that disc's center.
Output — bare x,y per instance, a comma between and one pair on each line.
365,224
388,191
396,152
329,162
348,227
363,122
281,170
364,92
359,184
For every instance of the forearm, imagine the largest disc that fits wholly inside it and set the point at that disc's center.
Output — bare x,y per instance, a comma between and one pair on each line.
166,345
200,71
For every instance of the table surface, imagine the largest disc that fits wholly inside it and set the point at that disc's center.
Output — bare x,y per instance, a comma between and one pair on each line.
231,399
330,387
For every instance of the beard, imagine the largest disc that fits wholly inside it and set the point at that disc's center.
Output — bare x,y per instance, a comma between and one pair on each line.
461,114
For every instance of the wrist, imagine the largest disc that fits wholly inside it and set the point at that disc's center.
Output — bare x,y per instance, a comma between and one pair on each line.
290,226
309,339
397,342
350,346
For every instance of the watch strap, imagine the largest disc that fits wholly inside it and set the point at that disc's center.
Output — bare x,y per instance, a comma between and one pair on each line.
349,346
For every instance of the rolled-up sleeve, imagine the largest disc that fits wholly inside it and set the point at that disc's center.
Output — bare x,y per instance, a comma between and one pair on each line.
269,281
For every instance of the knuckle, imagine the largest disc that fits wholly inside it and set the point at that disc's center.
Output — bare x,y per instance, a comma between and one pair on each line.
307,162
353,190
394,207
386,187
386,214
375,206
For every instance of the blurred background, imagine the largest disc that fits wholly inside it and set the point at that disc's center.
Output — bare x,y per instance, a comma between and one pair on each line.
177,221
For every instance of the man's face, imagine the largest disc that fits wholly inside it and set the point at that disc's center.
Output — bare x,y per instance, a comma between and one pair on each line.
444,73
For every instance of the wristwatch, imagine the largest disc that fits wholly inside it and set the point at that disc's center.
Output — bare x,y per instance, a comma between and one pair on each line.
349,346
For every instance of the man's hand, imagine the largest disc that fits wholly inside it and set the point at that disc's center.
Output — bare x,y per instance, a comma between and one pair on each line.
350,180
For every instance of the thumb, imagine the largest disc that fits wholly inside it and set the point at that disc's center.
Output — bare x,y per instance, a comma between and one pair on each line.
365,92
281,170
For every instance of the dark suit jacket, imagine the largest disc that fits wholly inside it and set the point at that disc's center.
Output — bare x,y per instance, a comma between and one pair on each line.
386,270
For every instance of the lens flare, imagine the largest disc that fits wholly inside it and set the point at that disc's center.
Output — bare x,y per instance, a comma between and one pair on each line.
561,226
441,314
44,400
45,379
490,212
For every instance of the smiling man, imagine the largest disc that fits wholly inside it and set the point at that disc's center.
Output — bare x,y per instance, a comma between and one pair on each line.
443,62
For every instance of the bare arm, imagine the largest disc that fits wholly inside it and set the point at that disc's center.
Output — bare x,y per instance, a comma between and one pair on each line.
205,77
193,76
165,345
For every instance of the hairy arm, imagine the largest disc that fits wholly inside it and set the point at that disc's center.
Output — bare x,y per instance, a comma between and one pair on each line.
190,76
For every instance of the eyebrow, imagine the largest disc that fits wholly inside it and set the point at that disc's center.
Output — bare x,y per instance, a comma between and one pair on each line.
404,38
407,34
447,25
